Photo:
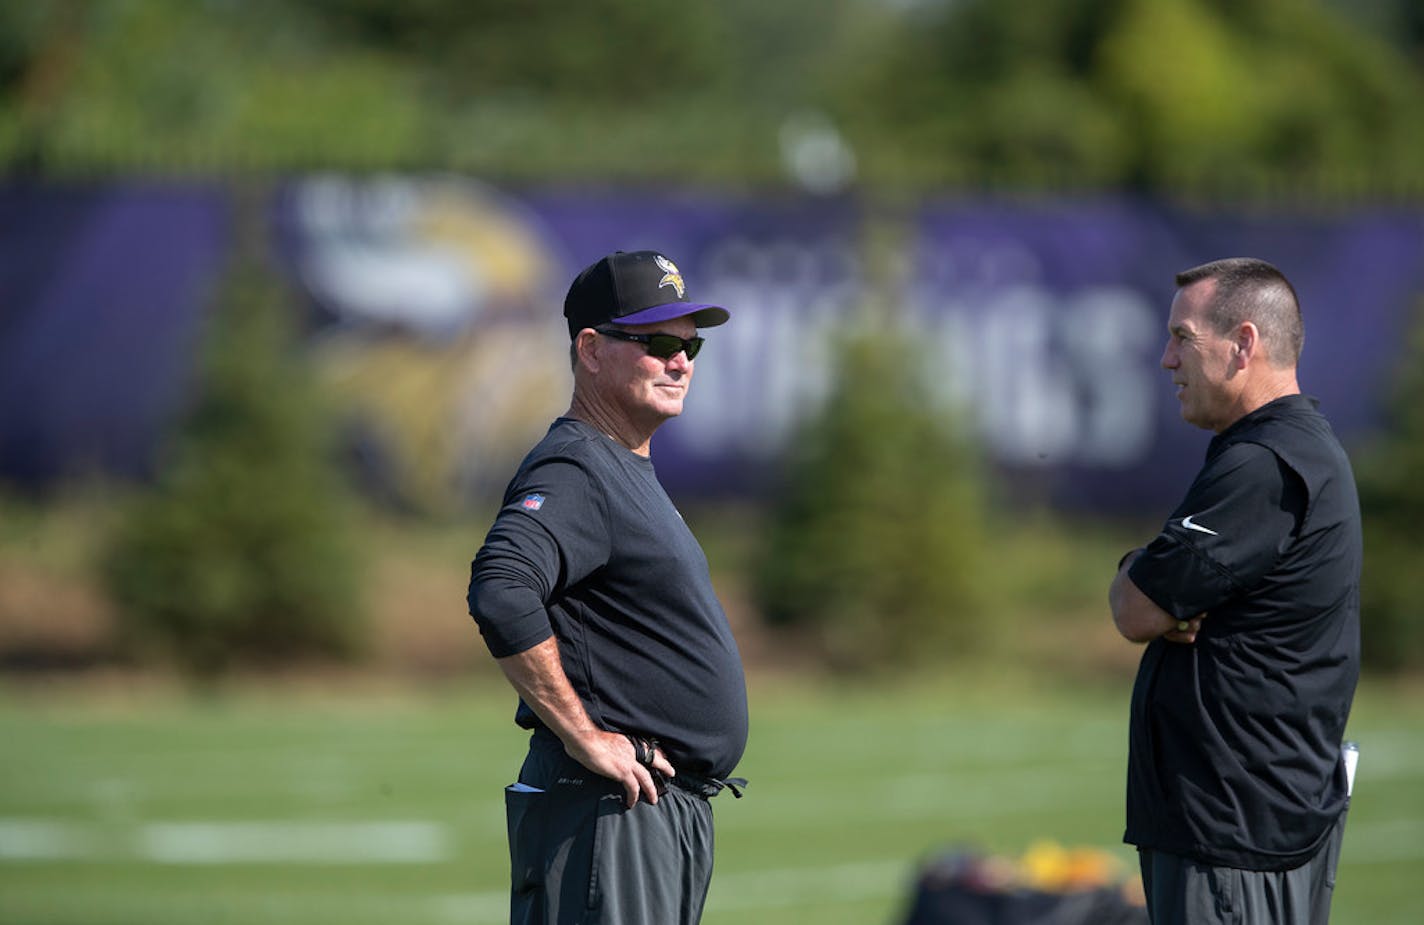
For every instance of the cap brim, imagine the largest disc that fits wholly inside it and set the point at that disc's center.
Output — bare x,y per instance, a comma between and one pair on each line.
704,316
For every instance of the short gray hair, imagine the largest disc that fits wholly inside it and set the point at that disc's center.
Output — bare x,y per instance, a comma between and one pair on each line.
1248,289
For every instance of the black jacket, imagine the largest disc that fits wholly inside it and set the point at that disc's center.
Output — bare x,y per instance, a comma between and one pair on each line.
1235,740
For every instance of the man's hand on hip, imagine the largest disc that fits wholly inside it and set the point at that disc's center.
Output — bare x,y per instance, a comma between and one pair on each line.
613,755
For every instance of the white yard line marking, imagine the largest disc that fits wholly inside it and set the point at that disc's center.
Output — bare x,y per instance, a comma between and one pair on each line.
47,840
398,842
425,842
295,842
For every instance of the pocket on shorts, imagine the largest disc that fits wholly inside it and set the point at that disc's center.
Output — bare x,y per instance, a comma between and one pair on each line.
551,846
1225,889
608,811
526,839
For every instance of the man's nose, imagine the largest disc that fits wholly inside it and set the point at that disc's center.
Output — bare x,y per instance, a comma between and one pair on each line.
1169,357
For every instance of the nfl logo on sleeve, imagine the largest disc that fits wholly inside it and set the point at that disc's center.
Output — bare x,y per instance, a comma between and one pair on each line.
532,502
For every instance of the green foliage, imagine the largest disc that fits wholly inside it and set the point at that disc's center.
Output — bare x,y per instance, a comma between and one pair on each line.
1392,503
873,547
240,554
1174,95
1266,84
1206,96
161,82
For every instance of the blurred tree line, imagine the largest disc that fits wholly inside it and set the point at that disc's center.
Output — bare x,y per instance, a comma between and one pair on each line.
238,552
1208,97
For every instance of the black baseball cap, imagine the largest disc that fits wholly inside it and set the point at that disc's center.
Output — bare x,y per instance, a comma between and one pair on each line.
634,287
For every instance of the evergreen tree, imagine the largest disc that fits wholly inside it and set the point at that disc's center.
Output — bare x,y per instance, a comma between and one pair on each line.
1392,504
874,544
240,553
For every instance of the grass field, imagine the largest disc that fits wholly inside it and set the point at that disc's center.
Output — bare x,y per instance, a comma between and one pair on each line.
285,807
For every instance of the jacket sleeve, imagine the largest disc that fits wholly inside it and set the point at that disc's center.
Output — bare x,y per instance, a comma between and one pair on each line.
1238,518
551,533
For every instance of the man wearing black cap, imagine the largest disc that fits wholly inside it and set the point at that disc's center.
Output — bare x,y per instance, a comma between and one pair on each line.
596,601
1249,603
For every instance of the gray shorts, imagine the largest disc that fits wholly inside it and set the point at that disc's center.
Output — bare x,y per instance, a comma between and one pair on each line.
1181,891
579,856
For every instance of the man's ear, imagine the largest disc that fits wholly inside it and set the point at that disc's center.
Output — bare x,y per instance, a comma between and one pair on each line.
1248,342
586,349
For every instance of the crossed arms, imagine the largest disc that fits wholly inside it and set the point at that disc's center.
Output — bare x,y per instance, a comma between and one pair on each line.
1138,618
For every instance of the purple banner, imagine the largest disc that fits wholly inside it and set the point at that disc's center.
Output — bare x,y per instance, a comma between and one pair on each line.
435,317
103,291
442,301
1055,321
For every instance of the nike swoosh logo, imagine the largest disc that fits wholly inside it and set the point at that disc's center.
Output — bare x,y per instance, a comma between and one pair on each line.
1188,525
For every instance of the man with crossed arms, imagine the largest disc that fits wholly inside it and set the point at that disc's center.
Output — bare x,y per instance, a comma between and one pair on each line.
1248,601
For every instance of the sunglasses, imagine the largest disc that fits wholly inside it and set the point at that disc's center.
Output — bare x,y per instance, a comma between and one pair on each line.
662,346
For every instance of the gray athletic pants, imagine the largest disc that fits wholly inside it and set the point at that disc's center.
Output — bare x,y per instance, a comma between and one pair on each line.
579,856
1181,891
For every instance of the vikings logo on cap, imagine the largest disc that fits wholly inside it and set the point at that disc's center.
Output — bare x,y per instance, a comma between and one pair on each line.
633,288
672,275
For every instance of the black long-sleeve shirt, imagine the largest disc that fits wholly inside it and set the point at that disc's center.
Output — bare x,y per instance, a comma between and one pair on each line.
588,548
